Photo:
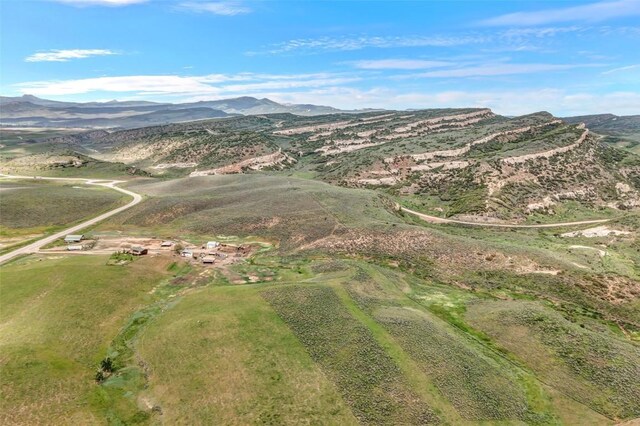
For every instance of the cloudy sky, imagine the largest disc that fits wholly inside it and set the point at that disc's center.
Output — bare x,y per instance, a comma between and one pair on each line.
516,57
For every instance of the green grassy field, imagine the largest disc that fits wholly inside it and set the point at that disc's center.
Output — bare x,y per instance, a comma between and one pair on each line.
479,387
328,341
58,318
31,208
223,356
287,210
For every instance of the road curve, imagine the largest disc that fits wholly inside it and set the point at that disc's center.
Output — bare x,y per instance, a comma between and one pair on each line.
34,247
436,219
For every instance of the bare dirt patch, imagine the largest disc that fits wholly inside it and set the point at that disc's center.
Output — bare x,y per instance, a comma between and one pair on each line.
598,231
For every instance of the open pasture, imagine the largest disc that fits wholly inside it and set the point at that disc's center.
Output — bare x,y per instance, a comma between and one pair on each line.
35,207
596,369
58,316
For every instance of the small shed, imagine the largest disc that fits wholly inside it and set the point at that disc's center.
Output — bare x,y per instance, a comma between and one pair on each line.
75,247
209,260
186,253
212,245
166,244
73,238
138,251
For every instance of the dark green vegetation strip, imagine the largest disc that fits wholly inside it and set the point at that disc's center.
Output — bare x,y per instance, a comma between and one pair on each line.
478,387
594,368
365,374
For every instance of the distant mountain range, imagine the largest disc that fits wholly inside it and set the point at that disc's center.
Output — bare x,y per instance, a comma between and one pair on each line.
31,111
608,123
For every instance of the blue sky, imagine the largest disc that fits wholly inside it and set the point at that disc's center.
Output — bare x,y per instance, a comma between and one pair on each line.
516,57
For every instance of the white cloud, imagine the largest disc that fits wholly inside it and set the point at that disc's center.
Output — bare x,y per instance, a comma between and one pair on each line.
114,3
627,68
398,64
357,43
594,12
142,84
511,39
174,85
500,69
224,8
66,55
517,102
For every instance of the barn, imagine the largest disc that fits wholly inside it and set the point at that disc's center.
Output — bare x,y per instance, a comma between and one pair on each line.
138,251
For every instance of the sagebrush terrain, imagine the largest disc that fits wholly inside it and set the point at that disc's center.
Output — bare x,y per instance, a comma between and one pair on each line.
460,163
334,305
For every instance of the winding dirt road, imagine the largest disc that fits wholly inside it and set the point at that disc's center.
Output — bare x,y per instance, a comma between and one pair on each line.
436,219
34,247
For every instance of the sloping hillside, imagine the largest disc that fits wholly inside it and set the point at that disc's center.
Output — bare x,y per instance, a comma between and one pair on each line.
448,162
620,131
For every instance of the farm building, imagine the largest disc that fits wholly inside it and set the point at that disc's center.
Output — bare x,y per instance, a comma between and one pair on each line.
75,247
138,251
73,238
209,260
166,244
186,253
212,244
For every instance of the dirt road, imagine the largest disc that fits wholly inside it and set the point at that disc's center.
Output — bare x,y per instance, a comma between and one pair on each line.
435,219
34,247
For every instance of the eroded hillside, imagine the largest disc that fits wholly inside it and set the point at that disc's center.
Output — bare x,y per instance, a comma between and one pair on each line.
448,162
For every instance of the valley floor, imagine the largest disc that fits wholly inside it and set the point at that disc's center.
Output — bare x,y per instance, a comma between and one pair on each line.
342,310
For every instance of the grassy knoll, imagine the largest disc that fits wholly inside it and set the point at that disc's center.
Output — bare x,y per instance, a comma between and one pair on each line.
90,169
367,377
222,356
57,318
598,370
288,210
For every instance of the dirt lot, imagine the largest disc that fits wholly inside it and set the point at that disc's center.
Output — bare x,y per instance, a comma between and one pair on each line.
223,255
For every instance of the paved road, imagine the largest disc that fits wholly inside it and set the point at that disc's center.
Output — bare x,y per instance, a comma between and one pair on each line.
436,219
34,247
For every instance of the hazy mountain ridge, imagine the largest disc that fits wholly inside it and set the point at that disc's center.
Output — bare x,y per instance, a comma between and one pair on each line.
31,111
